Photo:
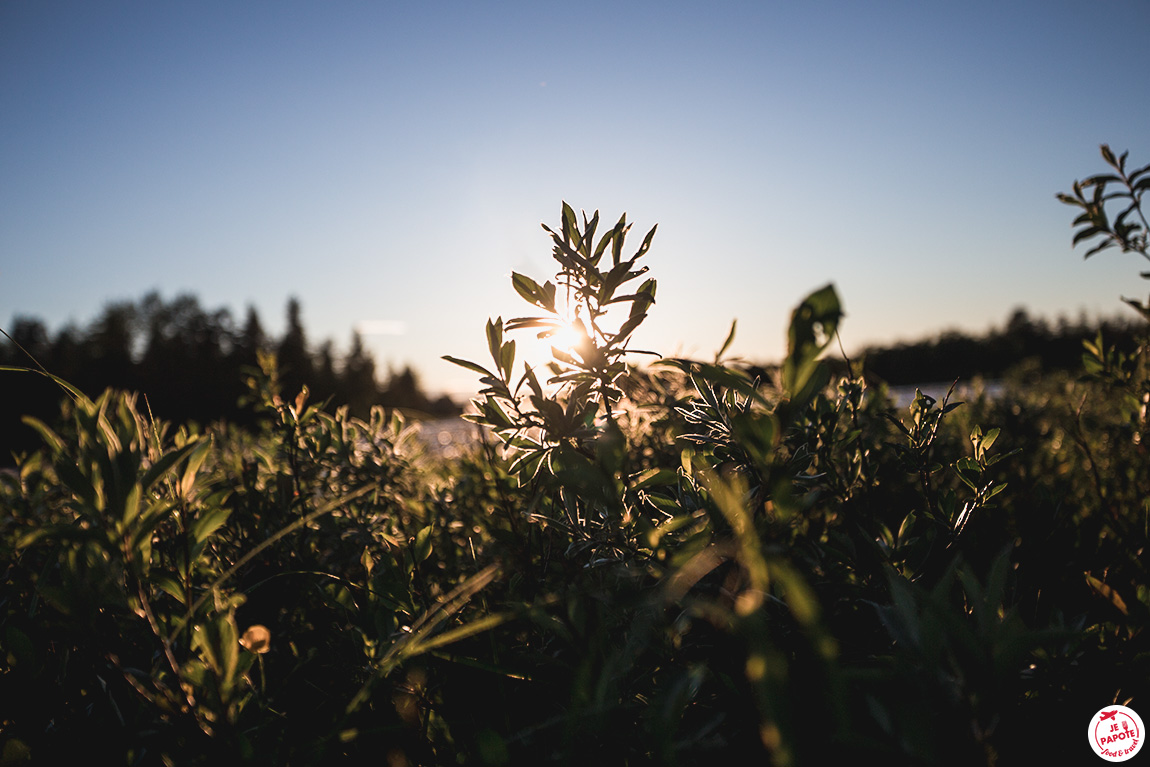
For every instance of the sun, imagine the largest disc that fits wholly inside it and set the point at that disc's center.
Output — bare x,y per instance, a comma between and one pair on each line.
567,338
564,336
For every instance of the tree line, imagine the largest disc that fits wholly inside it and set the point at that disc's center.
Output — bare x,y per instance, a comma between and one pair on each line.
191,363
1024,345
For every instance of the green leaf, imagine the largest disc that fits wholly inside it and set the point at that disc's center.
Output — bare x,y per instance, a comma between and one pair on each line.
55,444
195,461
507,358
646,243
532,380
495,337
968,471
1107,593
469,365
534,322
813,324
496,415
589,237
528,288
131,504
1108,155
421,550
727,343
552,414
167,462
169,586
989,438
570,224
628,327
655,477
456,634
1101,178
1086,233
208,522
1098,248
91,493
526,466
966,463
613,236
906,526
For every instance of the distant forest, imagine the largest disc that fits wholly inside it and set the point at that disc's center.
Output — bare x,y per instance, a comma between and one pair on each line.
1023,346
192,364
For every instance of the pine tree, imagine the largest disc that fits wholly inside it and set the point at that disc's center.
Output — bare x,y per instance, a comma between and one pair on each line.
295,363
358,387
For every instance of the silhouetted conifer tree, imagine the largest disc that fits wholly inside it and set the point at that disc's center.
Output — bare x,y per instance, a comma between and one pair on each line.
326,382
402,391
358,387
185,370
110,346
250,340
295,363
67,353
32,335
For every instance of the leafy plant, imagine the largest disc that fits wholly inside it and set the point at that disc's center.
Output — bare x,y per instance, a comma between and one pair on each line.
1095,222
1125,374
562,427
693,562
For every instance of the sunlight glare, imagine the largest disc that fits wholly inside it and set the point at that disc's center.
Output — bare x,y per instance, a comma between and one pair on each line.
569,337
536,348
566,339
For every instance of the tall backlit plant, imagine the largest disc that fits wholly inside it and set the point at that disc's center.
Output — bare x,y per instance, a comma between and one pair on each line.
559,419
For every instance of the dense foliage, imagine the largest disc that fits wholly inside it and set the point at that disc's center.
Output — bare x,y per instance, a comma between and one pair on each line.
681,565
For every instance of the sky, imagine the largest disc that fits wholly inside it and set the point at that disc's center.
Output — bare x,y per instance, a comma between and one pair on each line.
389,164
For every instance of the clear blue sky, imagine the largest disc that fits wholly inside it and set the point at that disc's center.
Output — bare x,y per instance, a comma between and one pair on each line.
390,163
